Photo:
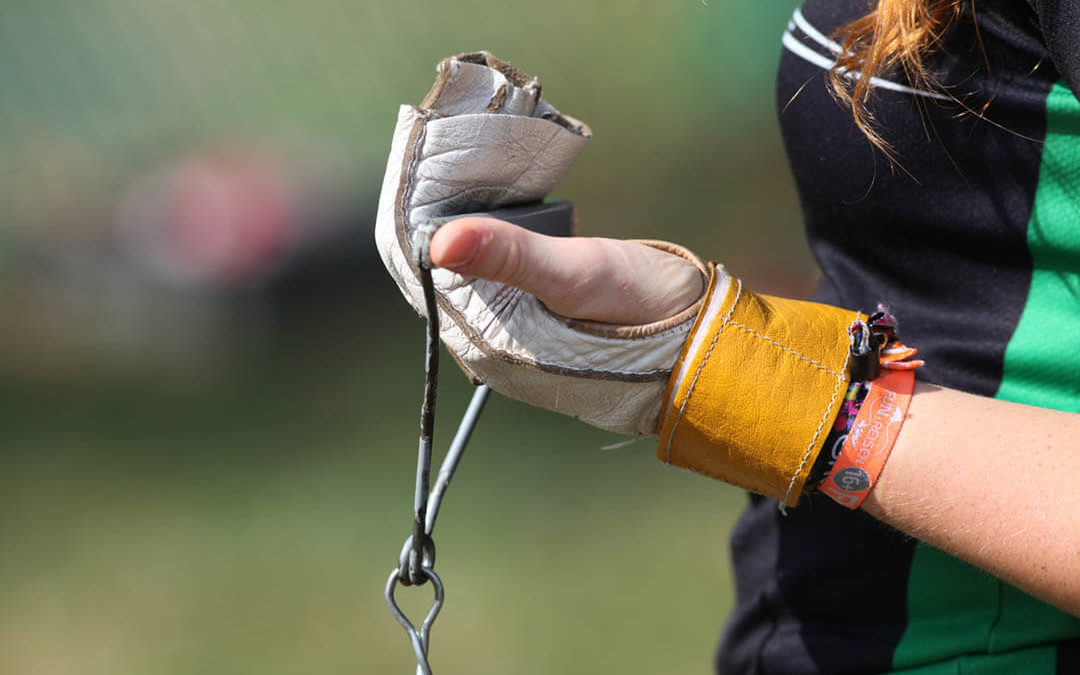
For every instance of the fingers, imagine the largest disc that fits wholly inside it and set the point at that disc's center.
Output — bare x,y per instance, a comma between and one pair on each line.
584,278
499,251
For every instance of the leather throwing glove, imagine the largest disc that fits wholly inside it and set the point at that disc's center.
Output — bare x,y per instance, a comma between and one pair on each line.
753,382
483,139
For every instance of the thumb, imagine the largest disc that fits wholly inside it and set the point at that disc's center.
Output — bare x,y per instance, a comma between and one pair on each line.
579,277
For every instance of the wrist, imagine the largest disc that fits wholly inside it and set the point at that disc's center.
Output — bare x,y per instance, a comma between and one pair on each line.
865,431
762,391
870,439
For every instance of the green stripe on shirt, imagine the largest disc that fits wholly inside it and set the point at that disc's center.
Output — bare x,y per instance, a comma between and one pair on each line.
1042,360
954,608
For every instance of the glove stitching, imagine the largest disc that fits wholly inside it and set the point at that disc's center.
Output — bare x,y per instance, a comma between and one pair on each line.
817,433
788,349
726,321
701,366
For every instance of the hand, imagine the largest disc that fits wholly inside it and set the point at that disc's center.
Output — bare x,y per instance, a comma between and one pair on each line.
595,342
595,328
592,279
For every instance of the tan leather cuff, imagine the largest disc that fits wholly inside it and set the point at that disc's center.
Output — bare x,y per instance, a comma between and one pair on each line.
755,389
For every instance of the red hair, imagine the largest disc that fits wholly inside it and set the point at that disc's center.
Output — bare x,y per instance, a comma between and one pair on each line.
896,33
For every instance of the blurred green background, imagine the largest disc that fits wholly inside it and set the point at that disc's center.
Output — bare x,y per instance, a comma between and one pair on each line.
209,388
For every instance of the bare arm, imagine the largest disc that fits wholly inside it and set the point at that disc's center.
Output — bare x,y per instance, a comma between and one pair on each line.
994,483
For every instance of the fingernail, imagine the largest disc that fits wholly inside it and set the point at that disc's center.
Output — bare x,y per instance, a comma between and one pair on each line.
460,250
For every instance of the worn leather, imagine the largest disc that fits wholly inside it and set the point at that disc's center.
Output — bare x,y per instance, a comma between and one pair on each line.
484,138
756,388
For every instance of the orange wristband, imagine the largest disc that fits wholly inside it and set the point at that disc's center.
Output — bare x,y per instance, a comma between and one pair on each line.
863,454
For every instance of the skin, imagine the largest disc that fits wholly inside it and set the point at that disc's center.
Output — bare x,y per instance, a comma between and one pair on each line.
580,277
994,483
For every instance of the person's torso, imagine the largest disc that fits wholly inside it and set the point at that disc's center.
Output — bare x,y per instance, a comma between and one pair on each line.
973,242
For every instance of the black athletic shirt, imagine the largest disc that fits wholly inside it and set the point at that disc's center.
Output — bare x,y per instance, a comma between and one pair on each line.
974,244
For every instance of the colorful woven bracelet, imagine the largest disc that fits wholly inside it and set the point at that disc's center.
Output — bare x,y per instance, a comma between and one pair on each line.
867,446
873,412
849,409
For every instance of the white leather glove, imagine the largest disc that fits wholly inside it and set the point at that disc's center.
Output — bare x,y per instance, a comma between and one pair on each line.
483,139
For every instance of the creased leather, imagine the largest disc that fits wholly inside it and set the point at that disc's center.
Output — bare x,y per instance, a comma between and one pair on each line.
755,390
484,138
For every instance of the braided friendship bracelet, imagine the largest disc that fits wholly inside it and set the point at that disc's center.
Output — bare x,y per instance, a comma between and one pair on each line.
873,411
849,409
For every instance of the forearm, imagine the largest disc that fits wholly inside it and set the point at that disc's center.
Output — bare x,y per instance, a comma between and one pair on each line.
994,483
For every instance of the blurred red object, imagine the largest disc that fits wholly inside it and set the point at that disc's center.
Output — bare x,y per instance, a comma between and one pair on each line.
230,217
223,219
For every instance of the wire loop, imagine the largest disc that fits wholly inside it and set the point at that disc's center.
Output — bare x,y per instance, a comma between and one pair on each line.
419,638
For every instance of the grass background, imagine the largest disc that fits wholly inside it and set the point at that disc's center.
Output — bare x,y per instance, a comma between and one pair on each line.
248,523
238,509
